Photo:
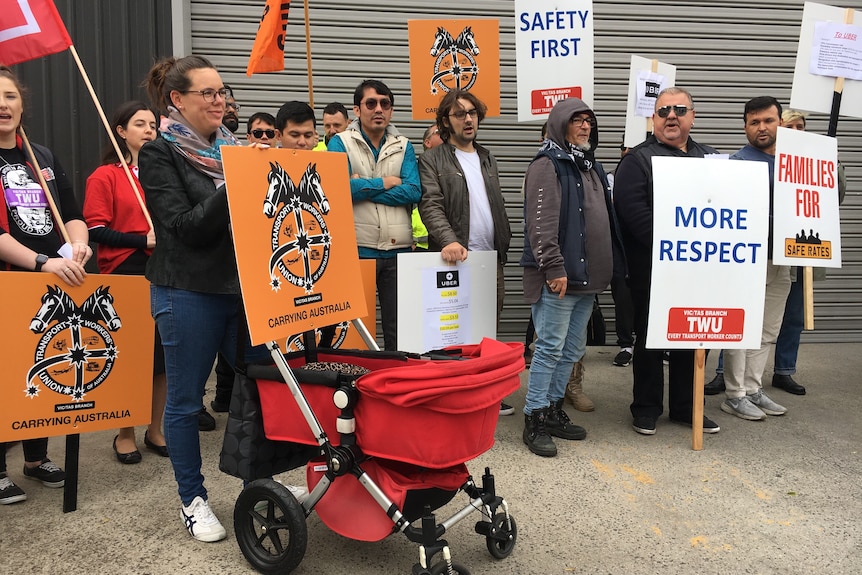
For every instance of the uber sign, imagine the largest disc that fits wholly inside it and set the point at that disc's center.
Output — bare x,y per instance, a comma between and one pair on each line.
447,279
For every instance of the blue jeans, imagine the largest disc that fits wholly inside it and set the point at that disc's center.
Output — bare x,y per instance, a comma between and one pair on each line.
195,327
787,346
561,340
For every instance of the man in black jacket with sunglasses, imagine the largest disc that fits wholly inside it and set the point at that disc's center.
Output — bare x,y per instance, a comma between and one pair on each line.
633,200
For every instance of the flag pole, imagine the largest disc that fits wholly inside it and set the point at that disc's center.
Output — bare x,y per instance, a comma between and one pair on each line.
308,56
111,135
38,169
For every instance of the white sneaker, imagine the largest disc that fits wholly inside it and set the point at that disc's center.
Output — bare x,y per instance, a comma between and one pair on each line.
201,522
299,493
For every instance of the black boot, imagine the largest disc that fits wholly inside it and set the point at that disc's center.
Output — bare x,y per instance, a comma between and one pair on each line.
558,423
788,384
715,386
536,436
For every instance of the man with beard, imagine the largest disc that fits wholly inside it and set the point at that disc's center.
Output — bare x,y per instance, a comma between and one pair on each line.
462,204
743,368
231,111
570,250
633,199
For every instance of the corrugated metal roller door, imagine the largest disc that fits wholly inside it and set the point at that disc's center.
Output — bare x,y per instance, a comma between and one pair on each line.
725,52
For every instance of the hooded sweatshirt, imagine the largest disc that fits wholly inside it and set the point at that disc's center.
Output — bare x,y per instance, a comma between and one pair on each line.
569,225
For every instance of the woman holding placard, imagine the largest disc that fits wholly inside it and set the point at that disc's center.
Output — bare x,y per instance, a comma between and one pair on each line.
31,239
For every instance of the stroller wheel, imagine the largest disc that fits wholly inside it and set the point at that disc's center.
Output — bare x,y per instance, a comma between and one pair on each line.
501,540
270,527
442,569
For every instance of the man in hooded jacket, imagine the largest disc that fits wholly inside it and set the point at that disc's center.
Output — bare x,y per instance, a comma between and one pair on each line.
571,246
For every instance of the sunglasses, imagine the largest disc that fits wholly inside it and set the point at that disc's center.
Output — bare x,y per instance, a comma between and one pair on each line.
371,103
680,111
259,133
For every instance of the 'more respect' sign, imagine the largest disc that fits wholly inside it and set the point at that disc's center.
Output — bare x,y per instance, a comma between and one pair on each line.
807,230
710,228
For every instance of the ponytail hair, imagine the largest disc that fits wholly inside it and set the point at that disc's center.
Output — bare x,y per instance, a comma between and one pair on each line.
169,74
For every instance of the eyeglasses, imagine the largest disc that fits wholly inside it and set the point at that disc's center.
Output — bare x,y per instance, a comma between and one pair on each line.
259,133
680,111
209,95
371,103
461,114
580,121
233,105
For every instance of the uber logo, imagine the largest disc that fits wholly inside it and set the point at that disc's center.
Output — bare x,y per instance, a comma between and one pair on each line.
447,279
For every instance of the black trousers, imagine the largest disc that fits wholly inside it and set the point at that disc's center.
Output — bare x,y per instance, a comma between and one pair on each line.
648,371
623,312
34,450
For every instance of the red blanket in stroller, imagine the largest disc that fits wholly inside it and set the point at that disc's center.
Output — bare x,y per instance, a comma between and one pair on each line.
432,413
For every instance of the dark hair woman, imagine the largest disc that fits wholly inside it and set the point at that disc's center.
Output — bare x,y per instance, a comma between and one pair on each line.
30,240
195,294
117,223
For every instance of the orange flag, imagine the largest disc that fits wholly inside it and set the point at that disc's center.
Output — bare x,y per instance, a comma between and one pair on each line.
30,29
267,54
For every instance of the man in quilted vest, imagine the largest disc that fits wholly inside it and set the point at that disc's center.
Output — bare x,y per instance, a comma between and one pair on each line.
384,185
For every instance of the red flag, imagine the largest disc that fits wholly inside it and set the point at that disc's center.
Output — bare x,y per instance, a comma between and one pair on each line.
30,29
267,54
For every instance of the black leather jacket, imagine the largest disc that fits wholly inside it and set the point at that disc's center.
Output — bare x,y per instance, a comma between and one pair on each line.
194,249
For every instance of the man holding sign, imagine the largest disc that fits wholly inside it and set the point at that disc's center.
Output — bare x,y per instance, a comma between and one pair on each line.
633,200
743,368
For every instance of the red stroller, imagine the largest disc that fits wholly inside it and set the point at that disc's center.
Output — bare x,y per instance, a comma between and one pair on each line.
394,432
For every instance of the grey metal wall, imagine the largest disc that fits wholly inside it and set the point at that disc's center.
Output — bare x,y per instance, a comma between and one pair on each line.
726,52
117,42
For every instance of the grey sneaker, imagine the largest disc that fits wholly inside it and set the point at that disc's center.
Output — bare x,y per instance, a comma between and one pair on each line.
743,408
765,404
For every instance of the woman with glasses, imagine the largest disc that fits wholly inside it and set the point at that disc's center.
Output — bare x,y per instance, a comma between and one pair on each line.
117,223
195,295
30,240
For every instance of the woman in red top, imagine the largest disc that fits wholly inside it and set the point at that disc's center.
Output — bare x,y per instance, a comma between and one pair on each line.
117,223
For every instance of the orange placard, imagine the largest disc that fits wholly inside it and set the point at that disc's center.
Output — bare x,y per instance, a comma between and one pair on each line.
450,54
76,359
346,336
292,221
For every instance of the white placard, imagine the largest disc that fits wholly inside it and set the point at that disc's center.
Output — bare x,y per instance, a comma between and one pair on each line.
837,51
554,52
440,304
649,86
636,123
811,92
806,223
710,228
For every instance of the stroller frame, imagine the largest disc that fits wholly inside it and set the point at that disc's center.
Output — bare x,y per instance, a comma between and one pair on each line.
266,511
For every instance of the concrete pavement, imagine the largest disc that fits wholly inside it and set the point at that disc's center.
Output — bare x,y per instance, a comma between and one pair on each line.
778,496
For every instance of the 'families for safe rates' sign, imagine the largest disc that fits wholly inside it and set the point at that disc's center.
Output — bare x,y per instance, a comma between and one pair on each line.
710,229
807,229
554,51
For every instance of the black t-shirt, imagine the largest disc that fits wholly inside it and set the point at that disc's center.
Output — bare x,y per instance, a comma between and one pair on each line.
29,216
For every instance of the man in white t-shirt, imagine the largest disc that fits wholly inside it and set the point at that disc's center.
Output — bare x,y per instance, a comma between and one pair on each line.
462,204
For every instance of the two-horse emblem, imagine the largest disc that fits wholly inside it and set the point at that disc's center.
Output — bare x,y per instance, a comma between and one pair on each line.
300,239
455,67
76,351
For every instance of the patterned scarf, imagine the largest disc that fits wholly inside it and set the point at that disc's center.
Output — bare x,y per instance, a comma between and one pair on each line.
203,156
584,160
